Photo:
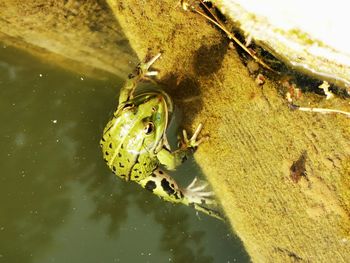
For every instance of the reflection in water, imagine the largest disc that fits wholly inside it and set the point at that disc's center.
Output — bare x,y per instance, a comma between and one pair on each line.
58,200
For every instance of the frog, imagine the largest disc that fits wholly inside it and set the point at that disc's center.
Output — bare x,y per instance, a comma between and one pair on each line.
135,145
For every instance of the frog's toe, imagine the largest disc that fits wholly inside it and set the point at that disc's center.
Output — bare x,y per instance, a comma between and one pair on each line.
193,142
151,61
199,186
151,73
144,67
196,193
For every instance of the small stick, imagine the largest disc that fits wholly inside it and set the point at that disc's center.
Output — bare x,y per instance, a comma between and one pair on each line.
323,110
216,22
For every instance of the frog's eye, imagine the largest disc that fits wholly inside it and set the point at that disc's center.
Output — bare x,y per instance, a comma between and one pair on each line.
149,127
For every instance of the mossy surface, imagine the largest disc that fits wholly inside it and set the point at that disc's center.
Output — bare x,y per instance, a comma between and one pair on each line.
82,36
254,139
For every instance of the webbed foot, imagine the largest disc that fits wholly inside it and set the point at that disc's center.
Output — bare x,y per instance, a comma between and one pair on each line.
193,142
197,196
196,192
142,68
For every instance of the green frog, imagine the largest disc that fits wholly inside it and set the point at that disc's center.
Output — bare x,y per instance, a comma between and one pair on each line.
134,144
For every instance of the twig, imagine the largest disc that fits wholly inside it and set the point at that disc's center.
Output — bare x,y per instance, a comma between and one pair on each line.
323,110
217,22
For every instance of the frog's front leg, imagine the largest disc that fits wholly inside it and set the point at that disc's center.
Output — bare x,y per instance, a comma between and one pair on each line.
141,72
194,195
173,159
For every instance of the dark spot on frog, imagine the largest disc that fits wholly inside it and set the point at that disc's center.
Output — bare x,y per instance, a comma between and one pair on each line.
150,185
106,153
121,146
298,170
103,139
114,169
122,175
208,59
136,176
110,145
166,187
119,155
121,165
181,195
160,172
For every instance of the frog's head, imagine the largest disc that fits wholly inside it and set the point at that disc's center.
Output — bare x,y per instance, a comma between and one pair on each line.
147,115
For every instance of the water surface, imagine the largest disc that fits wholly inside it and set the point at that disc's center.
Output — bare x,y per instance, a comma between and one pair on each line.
58,200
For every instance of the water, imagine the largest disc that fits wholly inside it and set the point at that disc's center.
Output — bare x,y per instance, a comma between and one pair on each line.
58,200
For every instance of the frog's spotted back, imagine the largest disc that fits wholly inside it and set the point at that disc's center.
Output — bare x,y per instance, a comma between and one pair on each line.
131,138
134,144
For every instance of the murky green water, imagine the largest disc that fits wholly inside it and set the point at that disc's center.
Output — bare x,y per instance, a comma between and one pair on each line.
58,200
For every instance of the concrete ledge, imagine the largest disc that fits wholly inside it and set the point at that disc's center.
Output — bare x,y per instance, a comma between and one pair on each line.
254,137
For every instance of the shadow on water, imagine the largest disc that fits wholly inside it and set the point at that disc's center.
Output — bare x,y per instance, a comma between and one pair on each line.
58,200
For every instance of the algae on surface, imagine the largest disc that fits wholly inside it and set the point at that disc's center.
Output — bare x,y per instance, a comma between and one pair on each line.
82,36
254,139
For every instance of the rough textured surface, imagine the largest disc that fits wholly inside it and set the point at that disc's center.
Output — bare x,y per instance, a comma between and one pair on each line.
80,35
254,137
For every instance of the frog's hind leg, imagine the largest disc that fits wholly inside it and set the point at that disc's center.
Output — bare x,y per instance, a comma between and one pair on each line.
194,195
